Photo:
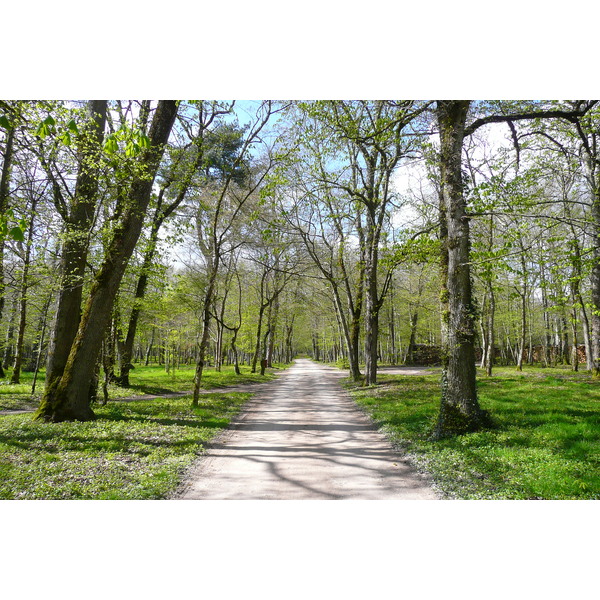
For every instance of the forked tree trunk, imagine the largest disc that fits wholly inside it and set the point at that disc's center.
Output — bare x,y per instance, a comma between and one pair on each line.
68,398
459,411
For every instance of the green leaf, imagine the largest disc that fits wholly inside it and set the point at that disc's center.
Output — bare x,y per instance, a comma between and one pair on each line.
16,233
4,122
132,149
49,121
42,130
144,141
110,145
72,126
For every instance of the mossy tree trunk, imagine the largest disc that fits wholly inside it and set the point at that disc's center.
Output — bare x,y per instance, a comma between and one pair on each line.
459,410
78,222
68,398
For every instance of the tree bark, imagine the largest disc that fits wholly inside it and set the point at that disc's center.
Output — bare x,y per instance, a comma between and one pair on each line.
459,410
371,304
75,247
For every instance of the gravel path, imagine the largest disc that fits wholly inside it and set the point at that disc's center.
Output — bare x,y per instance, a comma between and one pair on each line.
302,437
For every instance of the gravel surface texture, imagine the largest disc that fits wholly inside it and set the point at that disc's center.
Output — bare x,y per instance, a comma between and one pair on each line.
302,437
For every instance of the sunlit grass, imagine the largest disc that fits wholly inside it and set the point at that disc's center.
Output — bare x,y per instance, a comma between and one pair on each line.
155,380
546,443
135,450
18,396
152,380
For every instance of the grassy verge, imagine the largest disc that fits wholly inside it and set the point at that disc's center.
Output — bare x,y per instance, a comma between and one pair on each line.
135,450
546,444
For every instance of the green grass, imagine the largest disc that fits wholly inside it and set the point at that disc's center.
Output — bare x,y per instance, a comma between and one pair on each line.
155,380
135,450
144,380
18,396
546,443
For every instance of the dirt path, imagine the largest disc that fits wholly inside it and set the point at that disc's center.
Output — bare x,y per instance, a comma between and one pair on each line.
302,437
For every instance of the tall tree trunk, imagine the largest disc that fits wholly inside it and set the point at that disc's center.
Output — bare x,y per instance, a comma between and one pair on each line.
75,247
68,398
371,304
459,411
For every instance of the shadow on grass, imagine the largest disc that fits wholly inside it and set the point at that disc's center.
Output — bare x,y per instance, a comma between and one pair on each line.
210,423
150,390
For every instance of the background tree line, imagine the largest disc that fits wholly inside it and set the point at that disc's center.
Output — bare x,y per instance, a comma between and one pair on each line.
359,232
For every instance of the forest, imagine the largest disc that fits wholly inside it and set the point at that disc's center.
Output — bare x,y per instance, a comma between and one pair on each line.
464,234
